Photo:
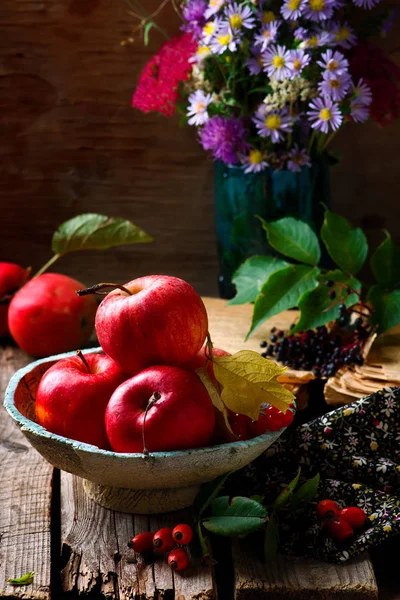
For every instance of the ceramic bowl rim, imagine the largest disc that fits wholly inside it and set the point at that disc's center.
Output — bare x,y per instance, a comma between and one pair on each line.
31,426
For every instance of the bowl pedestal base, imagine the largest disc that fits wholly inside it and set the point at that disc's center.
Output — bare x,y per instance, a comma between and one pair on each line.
142,502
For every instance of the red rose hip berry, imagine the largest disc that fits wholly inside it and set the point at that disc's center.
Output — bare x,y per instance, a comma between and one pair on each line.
354,515
178,559
340,531
327,509
143,542
182,534
163,540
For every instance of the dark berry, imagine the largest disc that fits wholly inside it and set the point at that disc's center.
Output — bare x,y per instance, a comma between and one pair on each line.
342,308
183,534
273,338
263,344
329,283
273,330
327,509
293,325
270,350
354,515
280,333
332,294
264,354
316,371
348,290
359,360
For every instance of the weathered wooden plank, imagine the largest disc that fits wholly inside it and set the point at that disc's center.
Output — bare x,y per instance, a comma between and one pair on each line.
25,500
96,558
301,579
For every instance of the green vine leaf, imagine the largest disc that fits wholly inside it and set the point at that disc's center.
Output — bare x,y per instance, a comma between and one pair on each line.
317,308
385,262
26,579
347,245
251,275
282,290
293,238
96,232
387,307
207,493
241,517
305,493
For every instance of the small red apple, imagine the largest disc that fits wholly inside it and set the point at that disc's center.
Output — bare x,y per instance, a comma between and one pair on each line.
181,417
73,394
47,317
12,277
200,361
162,320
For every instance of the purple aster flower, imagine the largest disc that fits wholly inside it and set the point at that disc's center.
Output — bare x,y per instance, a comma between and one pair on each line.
359,112
239,17
255,161
272,124
334,62
323,113
361,93
276,62
298,60
225,138
317,39
301,33
388,22
193,13
224,40
267,35
319,10
335,85
366,3
197,109
254,63
343,35
298,158
213,7
210,29
292,9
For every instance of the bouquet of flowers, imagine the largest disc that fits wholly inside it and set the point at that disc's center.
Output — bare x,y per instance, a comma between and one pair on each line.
270,82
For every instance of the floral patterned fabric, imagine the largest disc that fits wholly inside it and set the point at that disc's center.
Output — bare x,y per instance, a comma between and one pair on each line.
356,450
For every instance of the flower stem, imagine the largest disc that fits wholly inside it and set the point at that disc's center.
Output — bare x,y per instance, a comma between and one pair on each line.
47,265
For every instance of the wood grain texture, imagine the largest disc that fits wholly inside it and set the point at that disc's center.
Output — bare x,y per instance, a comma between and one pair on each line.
25,500
307,579
96,558
71,143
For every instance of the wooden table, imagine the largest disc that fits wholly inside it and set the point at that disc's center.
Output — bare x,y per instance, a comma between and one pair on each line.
77,548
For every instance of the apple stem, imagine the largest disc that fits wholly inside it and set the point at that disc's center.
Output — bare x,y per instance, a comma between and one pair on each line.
83,359
156,396
96,289
209,347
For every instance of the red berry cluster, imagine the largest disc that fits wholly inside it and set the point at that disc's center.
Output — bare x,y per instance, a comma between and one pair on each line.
166,540
340,524
270,419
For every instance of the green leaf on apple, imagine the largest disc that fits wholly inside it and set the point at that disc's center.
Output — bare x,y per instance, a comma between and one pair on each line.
347,245
248,380
241,517
96,232
385,262
316,306
282,291
252,274
386,307
293,238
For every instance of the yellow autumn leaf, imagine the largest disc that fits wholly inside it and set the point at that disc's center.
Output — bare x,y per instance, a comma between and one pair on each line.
221,412
248,380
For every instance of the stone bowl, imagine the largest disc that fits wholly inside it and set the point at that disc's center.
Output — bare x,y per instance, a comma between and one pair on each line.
133,483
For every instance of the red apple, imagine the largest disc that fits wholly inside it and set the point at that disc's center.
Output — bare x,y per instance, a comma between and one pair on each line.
73,394
12,277
162,321
47,317
182,417
200,361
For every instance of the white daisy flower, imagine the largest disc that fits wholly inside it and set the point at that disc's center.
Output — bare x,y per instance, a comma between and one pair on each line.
197,109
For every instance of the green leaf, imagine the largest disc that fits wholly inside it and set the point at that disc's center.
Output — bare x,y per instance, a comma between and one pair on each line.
271,538
207,493
385,262
305,493
146,31
387,307
282,290
251,275
317,308
26,579
243,516
294,238
219,506
286,493
96,232
347,245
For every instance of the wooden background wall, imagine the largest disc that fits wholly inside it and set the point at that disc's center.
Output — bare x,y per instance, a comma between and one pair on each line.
70,143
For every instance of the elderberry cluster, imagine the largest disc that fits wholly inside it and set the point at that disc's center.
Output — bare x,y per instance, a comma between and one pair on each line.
321,351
